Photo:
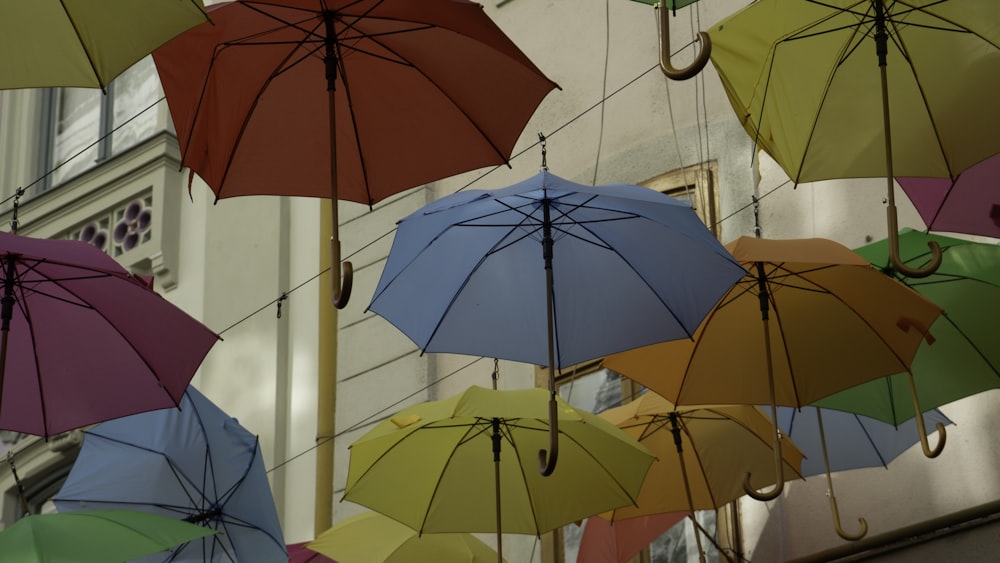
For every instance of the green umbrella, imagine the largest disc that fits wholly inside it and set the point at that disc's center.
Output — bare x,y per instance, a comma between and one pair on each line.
700,59
94,536
964,358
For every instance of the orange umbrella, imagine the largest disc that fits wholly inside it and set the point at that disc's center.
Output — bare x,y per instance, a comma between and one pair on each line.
837,322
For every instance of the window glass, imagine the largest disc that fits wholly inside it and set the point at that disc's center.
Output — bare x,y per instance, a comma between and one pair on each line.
90,126
77,122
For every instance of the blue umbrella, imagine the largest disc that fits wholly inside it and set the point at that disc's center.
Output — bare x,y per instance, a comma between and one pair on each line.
195,463
553,273
838,441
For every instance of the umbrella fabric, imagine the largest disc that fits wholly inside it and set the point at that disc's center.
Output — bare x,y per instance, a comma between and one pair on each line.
630,266
431,467
968,204
194,463
299,553
852,441
86,341
834,322
804,79
617,542
93,536
964,358
719,444
422,91
84,43
374,538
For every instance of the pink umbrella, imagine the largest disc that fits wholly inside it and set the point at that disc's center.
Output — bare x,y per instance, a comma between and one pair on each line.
84,341
299,553
970,204
604,542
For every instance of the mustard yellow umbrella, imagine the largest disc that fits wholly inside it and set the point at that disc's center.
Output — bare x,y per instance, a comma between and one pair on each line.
702,454
468,464
866,88
83,43
838,322
372,537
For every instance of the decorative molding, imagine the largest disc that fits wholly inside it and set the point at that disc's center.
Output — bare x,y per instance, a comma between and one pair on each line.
128,207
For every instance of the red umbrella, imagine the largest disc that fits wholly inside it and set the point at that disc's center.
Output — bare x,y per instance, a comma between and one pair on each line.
606,542
83,341
970,204
419,91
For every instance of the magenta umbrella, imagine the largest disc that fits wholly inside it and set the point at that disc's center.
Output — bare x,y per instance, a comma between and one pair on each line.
299,553
970,204
83,341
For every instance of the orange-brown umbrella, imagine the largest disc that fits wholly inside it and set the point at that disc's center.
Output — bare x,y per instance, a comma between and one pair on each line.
837,322
345,99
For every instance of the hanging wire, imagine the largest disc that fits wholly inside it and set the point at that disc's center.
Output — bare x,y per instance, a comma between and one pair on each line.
14,223
282,297
17,481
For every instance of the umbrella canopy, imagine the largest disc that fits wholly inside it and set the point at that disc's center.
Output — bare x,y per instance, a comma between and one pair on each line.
630,266
299,553
93,536
968,204
814,83
851,441
430,466
82,43
194,463
345,99
553,273
718,445
838,322
617,542
375,538
84,341
838,441
964,358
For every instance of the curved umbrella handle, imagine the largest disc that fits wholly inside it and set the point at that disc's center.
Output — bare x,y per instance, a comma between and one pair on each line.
749,490
343,280
836,522
922,428
547,460
897,263
700,60
778,466
829,489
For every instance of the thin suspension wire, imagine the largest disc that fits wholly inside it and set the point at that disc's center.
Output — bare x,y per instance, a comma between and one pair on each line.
368,418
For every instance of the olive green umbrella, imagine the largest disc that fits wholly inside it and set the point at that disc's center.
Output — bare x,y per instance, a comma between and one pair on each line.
866,88
964,358
469,464
83,43
372,537
94,536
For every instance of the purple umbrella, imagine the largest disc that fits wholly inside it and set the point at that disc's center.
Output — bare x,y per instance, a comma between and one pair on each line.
84,341
970,204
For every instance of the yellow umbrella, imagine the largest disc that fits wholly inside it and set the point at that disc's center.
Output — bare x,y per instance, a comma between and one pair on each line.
815,85
468,464
838,322
372,537
702,454
82,43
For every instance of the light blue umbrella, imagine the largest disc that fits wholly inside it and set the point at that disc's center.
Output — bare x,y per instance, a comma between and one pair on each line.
552,273
838,441
195,463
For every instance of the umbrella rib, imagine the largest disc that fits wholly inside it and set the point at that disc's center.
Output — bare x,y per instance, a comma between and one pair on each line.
524,478
871,441
22,304
444,467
